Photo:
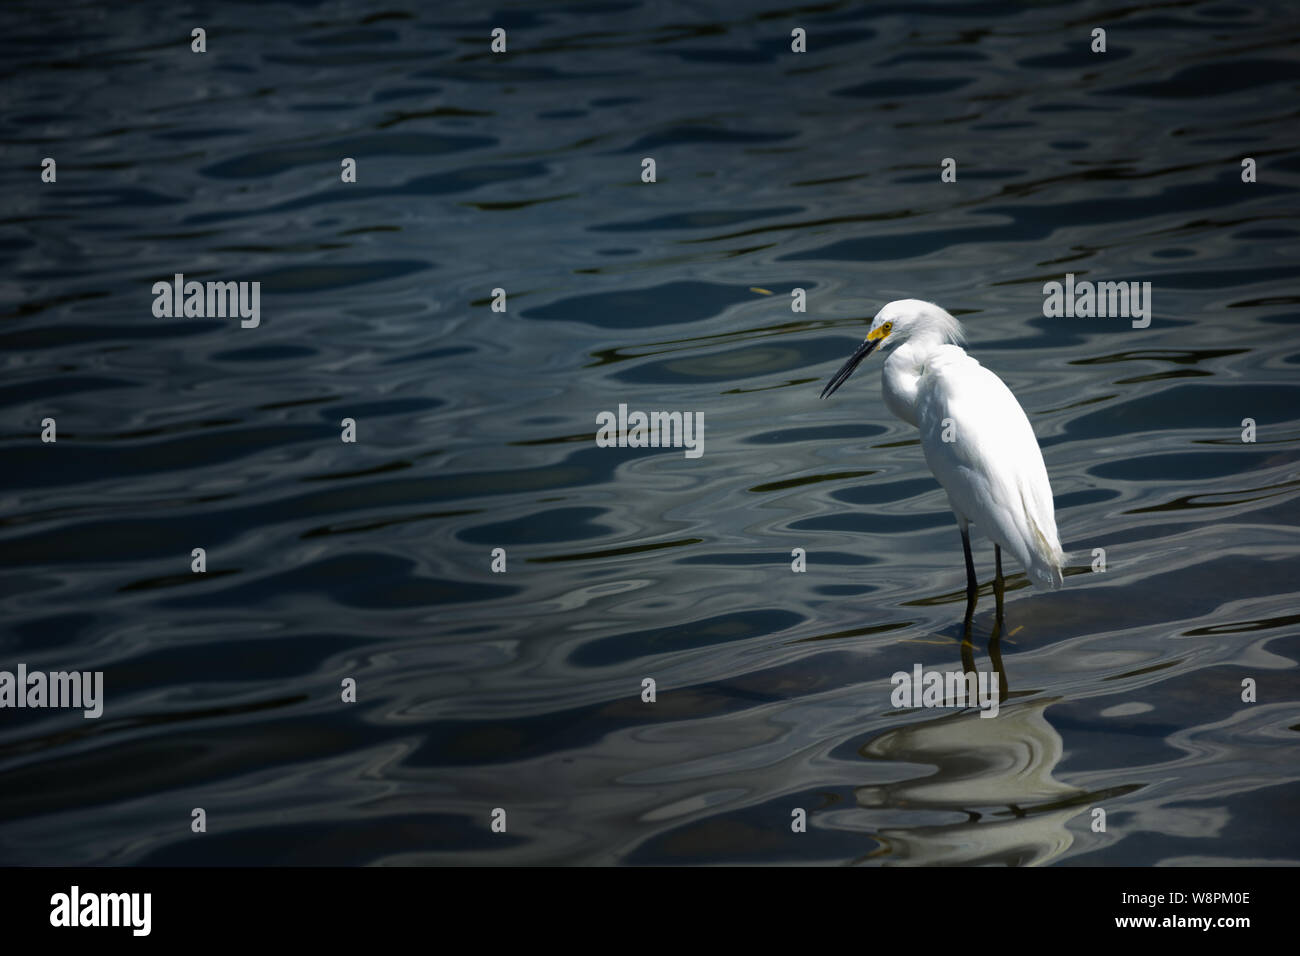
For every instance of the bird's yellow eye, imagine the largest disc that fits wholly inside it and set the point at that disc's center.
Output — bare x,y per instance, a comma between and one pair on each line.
879,332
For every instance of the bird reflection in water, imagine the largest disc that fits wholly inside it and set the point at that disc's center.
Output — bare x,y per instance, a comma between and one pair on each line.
998,772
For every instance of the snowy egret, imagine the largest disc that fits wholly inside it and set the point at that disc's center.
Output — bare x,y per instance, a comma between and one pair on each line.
976,438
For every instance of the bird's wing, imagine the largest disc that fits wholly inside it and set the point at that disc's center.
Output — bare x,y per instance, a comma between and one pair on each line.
991,467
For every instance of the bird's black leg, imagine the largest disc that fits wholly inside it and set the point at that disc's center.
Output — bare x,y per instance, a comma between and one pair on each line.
972,586
999,586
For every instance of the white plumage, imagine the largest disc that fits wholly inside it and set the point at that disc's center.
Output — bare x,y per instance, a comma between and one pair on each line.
991,465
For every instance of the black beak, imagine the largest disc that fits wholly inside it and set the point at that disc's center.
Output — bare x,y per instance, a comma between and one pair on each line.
842,376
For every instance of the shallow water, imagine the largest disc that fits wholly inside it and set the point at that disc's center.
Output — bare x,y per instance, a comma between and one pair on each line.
476,430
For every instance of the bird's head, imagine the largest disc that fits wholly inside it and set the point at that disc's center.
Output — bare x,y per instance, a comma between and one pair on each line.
898,322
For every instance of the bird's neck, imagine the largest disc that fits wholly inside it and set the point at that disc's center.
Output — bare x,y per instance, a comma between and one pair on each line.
899,381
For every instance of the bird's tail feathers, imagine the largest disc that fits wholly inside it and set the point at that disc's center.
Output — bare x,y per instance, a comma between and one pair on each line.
1047,554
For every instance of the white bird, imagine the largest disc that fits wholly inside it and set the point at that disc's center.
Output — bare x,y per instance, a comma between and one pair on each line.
976,438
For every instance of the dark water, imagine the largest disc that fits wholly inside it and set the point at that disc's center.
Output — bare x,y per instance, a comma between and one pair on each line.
476,430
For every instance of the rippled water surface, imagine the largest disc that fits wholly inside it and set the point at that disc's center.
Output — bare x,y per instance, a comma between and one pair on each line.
522,690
